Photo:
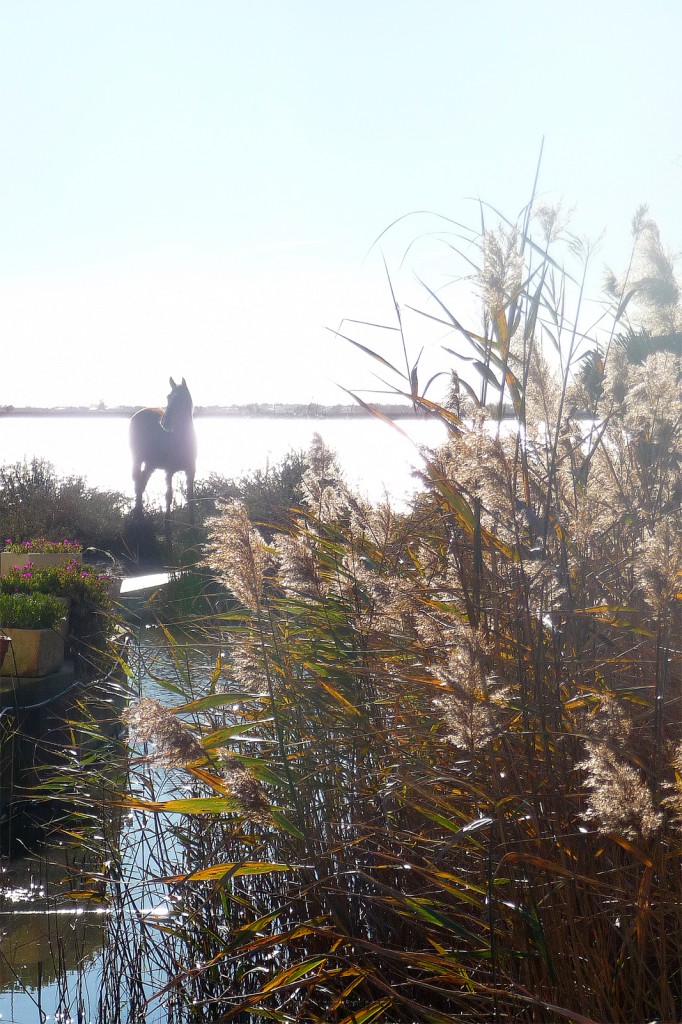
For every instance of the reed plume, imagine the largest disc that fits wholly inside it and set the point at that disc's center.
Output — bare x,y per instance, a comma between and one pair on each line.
175,745
237,553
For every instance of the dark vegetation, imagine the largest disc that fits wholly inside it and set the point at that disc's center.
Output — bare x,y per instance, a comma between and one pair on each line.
36,501
271,494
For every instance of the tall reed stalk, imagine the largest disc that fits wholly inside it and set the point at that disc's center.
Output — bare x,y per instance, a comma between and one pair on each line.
437,774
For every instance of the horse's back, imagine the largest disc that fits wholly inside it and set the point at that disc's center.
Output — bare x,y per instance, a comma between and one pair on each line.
144,424
163,449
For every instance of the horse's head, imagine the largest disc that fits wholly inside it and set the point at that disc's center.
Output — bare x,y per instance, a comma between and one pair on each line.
179,408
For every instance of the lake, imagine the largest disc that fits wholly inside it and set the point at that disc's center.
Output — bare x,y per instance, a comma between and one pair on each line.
374,456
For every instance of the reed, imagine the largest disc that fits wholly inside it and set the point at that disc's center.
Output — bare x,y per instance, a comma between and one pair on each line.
435,774
473,708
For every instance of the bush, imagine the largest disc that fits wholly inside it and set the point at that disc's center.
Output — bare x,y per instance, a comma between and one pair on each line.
29,611
81,583
34,502
44,546
269,494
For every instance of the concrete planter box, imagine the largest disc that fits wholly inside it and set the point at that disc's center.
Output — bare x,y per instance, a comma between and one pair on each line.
33,652
37,559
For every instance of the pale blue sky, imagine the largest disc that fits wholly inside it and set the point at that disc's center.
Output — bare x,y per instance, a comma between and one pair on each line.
191,188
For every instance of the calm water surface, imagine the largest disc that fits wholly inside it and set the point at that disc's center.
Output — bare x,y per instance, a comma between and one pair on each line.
374,456
56,954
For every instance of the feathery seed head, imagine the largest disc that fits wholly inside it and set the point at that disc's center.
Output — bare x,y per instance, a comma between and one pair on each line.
658,563
471,704
502,270
152,722
237,553
619,798
299,569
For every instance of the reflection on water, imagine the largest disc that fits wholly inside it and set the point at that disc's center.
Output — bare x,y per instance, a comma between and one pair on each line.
67,912
43,935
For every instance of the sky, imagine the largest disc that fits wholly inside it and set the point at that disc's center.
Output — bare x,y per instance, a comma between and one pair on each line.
193,187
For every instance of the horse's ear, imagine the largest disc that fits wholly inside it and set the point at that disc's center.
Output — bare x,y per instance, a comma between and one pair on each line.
172,383
184,383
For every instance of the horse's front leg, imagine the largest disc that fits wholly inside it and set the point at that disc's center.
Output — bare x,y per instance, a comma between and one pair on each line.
141,479
190,495
169,493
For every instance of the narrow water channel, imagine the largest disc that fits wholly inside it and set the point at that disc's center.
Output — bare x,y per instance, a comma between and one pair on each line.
78,913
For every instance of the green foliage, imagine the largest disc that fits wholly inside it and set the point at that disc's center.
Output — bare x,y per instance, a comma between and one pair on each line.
269,494
42,544
29,611
188,597
84,584
35,502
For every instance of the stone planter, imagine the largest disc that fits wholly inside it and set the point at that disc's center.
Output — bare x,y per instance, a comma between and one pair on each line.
33,652
37,559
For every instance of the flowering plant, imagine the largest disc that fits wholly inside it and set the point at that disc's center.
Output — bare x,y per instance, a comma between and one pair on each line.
43,545
91,612
29,611
84,584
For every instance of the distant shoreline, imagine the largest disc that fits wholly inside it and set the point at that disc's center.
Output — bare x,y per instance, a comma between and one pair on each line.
256,410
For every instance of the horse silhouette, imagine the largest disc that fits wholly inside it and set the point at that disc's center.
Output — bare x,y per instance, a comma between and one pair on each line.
164,440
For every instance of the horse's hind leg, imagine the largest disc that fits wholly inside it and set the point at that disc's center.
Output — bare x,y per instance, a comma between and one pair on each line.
167,529
190,495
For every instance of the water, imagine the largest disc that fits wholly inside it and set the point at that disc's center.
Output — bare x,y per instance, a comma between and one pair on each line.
55,962
374,456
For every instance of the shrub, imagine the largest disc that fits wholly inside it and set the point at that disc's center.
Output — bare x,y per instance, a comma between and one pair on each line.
41,544
35,502
83,584
269,494
29,611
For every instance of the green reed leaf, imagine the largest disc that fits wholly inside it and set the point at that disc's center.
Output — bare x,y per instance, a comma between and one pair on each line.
295,973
